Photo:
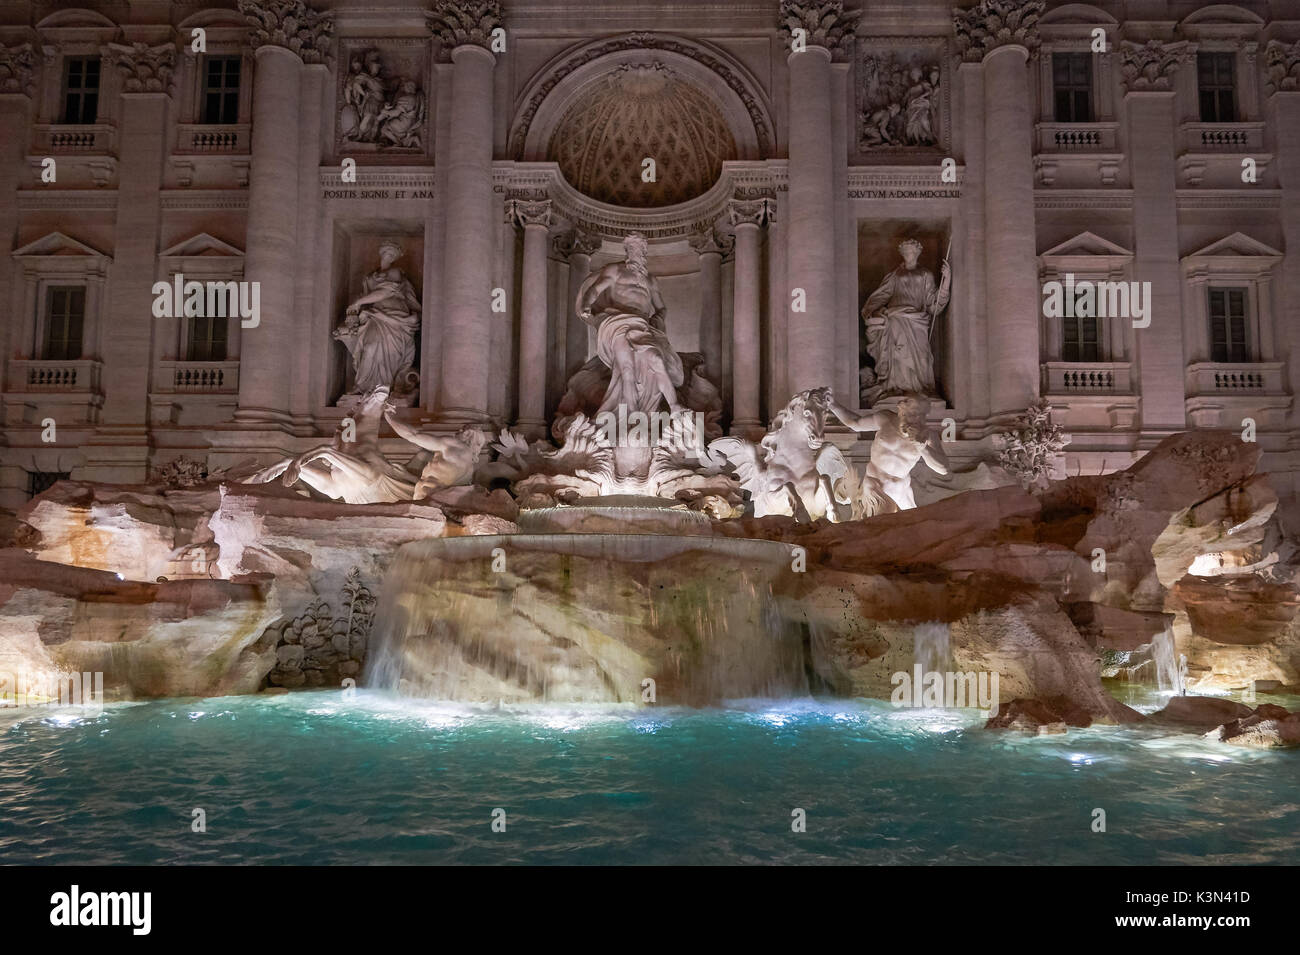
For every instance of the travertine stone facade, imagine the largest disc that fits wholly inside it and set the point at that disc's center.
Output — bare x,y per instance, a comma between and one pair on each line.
774,153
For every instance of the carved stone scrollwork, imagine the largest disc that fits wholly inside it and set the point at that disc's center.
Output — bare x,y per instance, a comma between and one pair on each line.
757,212
994,23
1282,66
1150,66
460,22
825,22
525,212
577,241
707,239
144,68
290,24
17,67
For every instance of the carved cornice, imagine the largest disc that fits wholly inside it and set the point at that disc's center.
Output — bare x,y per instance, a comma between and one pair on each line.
525,212
290,24
1281,67
825,23
757,212
995,23
1150,67
577,241
17,67
464,22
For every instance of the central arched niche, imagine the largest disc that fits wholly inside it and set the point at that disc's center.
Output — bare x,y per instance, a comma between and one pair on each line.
634,112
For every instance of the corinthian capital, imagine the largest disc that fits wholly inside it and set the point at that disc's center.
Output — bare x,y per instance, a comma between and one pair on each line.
290,24
749,212
707,239
577,241
144,68
1282,66
1150,67
460,22
526,212
17,65
824,23
994,23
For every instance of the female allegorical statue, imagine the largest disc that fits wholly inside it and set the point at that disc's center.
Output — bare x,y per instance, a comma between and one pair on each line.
898,316
380,327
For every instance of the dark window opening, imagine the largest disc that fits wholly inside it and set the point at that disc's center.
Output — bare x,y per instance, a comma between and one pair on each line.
1080,340
81,90
40,481
65,318
207,338
221,90
1072,85
1214,78
1228,325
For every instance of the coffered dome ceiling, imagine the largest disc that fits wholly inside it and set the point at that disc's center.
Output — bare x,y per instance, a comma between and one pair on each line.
640,111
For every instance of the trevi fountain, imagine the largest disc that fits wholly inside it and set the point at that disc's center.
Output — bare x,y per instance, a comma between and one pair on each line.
666,547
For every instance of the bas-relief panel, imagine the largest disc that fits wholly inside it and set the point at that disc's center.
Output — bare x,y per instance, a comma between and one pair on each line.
383,103
903,92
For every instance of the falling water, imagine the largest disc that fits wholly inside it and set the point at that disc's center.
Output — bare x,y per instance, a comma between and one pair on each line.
587,618
1170,674
932,647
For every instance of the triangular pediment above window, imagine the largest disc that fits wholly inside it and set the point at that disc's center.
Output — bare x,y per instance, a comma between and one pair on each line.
1086,243
1236,245
201,245
56,243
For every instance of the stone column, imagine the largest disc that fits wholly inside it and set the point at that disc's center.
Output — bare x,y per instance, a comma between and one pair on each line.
18,66
577,246
284,34
999,34
1282,117
1149,102
711,247
534,217
747,218
119,450
464,28
818,32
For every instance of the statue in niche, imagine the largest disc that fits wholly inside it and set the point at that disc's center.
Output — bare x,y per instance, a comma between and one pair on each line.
622,302
900,102
401,120
353,471
899,317
902,438
379,330
446,460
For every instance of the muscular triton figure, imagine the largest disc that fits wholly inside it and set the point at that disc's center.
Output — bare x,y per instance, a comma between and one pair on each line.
902,438
452,456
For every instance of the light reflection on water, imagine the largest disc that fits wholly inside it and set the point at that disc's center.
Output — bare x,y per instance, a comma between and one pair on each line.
314,777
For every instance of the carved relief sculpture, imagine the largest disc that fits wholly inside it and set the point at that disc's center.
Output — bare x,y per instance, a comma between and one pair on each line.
994,23
380,327
1151,65
898,317
370,114
900,102
1282,66
17,66
144,68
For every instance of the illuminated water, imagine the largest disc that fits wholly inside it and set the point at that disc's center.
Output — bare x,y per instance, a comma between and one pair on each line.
314,778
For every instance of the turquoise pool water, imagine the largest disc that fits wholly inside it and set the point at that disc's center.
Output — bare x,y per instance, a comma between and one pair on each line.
315,778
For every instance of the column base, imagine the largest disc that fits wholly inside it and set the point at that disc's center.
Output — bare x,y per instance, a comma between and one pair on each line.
262,418
452,418
532,428
751,429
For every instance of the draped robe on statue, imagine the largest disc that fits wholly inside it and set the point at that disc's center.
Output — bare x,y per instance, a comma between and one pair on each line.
382,344
907,301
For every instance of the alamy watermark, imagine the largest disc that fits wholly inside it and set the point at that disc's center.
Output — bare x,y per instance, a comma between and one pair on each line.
681,431
932,689
1102,299
181,299
84,690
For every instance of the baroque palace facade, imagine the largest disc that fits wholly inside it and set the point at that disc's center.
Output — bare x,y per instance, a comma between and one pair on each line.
468,163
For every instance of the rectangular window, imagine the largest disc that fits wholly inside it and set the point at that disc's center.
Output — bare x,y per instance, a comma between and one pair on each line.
207,338
1228,325
221,90
1214,78
1072,84
80,90
1080,340
65,317
40,481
